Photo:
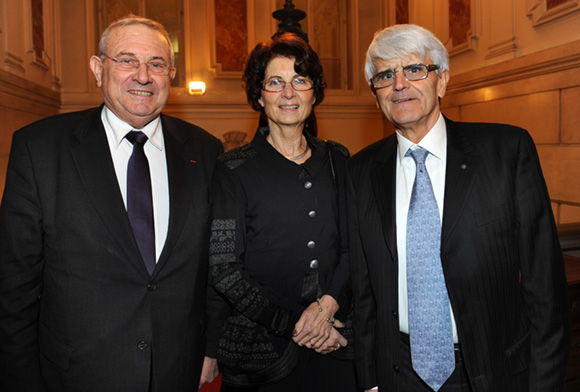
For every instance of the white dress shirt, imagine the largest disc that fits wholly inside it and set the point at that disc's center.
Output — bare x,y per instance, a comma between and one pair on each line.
436,143
121,150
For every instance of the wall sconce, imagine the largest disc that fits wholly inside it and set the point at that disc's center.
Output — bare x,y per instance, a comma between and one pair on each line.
196,88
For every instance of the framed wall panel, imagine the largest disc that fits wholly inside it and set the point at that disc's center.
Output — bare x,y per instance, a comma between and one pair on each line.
228,20
544,11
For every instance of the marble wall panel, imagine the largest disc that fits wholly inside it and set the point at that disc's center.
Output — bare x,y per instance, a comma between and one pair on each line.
459,21
554,3
402,11
231,34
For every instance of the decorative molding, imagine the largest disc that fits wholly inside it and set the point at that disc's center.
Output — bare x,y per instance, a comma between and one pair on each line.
500,48
541,13
13,63
548,62
21,94
40,59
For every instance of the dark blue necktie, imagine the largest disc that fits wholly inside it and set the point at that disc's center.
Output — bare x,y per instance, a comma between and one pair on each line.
430,329
140,199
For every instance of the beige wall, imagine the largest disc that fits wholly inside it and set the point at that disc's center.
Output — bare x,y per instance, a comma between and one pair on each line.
539,92
520,65
29,83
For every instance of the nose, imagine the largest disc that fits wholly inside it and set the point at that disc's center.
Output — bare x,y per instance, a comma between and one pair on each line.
401,81
142,74
288,91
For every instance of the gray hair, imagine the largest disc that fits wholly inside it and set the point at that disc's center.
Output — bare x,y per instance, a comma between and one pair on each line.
133,20
405,40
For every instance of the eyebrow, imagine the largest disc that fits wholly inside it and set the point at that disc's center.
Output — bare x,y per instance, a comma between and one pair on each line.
131,54
280,77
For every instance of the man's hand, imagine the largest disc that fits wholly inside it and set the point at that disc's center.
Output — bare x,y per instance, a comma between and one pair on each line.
209,371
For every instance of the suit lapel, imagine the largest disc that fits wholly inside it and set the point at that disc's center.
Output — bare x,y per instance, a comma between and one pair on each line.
383,177
184,166
462,162
95,167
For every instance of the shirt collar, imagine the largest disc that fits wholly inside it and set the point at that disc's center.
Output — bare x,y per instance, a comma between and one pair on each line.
435,141
121,128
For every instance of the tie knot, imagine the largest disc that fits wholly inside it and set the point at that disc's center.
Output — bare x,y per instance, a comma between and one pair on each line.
136,137
419,155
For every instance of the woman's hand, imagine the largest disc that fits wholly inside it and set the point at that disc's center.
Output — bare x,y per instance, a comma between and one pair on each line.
333,343
315,326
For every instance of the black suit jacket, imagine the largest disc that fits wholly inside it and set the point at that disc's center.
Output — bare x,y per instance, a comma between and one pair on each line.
500,254
78,310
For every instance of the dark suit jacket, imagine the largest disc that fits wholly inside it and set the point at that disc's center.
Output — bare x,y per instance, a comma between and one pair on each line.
78,310
500,254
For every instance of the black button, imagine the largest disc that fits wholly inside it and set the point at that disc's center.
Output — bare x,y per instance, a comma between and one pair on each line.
396,368
395,314
152,286
142,345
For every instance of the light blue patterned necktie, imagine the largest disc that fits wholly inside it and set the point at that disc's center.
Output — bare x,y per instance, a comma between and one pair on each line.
430,330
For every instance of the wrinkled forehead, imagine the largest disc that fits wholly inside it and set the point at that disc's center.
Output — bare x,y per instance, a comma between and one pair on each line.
138,39
399,62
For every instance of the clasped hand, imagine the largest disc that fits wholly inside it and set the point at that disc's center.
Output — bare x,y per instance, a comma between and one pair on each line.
316,329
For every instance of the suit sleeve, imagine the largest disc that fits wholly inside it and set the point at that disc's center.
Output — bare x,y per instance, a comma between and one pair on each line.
217,307
543,276
21,264
364,303
340,288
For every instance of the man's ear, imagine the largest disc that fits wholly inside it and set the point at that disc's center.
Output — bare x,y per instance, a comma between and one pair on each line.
442,84
96,64
375,96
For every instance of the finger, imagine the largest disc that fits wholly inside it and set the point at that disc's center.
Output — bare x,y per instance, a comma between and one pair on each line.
328,349
338,324
304,335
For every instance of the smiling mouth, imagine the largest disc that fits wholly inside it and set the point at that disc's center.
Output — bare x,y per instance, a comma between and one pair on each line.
403,100
288,106
142,93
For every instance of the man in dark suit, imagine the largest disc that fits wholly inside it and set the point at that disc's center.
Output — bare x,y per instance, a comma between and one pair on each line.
451,222
86,304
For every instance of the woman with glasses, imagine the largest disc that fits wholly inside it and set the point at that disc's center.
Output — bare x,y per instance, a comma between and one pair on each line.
279,242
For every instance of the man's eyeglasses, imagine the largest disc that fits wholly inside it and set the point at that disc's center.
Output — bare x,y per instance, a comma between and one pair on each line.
410,72
129,63
275,85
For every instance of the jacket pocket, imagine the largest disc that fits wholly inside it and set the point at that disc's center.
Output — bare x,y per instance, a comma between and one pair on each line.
493,214
518,355
53,349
